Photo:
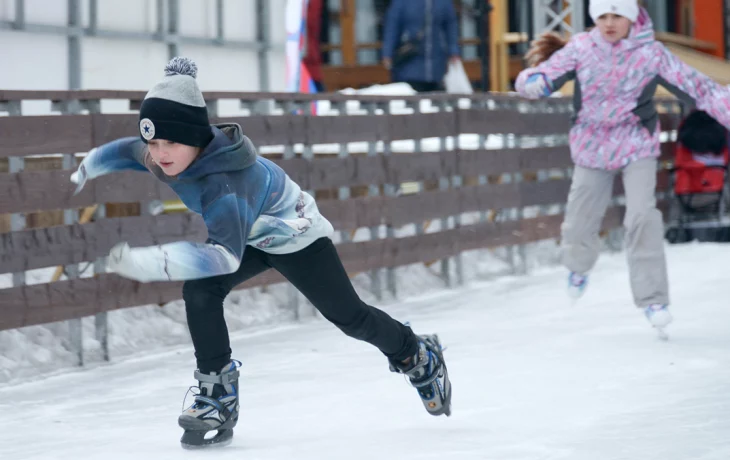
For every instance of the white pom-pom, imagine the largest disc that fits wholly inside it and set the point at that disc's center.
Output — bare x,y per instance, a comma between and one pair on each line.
181,66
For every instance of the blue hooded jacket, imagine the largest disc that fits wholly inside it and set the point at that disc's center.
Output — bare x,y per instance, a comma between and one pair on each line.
243,198
441,38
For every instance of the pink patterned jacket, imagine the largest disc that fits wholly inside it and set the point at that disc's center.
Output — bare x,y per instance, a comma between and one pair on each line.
615,120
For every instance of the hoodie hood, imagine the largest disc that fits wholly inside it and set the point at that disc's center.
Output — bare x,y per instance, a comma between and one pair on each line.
641,34
230,150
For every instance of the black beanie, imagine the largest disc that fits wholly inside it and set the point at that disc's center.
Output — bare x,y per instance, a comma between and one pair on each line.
174,109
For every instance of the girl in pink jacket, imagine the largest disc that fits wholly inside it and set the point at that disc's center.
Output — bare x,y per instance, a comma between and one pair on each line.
617,67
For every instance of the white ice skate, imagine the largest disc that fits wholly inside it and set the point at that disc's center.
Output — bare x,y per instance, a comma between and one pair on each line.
659,317
576,285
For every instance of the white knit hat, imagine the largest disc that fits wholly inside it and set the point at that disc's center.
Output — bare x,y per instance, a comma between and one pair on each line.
626,8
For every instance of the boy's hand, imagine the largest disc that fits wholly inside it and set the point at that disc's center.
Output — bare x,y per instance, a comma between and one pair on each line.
79,178
135,265
537,86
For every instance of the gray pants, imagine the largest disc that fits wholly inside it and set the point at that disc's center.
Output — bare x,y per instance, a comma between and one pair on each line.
590,193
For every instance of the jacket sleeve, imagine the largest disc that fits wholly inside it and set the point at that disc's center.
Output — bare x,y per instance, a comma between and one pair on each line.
392,31
118,155
684,80
229,222
452,29
122,154
558,69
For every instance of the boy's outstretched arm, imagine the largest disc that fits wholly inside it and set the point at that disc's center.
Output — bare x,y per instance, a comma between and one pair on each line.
229,221
118,155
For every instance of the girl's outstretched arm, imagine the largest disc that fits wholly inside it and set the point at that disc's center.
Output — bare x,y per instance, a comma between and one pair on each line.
682,79
118,155
229,221
556,70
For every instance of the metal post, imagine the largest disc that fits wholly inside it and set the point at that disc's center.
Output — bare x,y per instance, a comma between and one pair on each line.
173,20
343,193
263,38
457,182
658,13
17,221
101,321
521,266
69,162
530,15
483,9
74,44
389,190
292,292
75,327
549,15
19,23
212,106
93,16
374,190
16,165
161,29
417,150
481,104
219,35
444,184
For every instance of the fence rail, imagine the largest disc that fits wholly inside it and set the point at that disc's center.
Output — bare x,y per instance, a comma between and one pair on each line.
500,161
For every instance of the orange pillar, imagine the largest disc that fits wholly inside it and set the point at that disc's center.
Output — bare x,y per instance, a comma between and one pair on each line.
708,24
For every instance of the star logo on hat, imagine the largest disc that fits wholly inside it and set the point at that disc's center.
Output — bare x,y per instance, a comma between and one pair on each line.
147,128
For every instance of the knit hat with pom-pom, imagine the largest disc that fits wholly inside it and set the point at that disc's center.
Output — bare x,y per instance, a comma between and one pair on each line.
174,109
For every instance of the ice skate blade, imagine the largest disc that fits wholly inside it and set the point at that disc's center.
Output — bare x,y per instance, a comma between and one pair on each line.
445,408
662,334
661,319
193,440
574,294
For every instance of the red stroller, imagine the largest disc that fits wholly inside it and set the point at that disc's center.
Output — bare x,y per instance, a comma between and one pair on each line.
699,181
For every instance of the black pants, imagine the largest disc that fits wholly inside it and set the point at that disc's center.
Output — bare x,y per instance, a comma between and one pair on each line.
317,272
425,86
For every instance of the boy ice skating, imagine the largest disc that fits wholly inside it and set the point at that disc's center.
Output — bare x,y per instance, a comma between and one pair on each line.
616,68
257,218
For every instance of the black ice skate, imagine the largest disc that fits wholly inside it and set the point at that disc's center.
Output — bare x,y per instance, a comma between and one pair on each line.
427,373
215,409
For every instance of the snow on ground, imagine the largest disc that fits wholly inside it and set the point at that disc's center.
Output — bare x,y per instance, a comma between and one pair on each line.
535,377
45,349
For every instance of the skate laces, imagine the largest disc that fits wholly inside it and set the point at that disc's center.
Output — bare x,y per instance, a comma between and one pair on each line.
191,389
428,364
233,365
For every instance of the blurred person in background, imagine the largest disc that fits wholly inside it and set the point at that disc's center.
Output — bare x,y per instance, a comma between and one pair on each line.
419,40
313,57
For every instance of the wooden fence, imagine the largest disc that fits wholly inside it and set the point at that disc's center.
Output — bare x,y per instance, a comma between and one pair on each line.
376,163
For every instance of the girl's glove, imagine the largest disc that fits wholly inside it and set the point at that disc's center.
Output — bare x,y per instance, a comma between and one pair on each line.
537,86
